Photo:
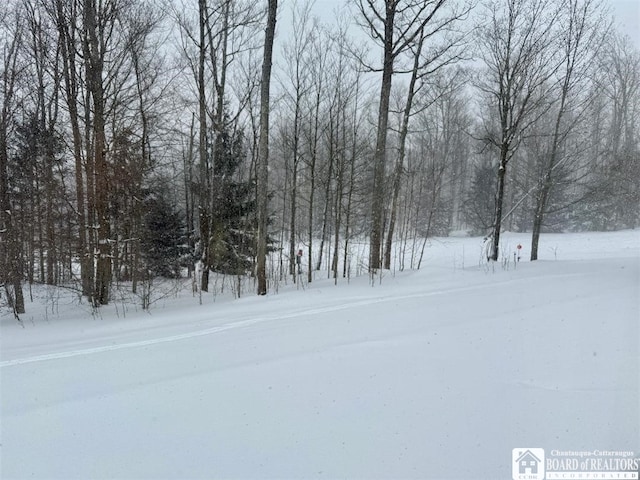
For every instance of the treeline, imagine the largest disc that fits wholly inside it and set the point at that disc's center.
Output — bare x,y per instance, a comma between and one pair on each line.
132,146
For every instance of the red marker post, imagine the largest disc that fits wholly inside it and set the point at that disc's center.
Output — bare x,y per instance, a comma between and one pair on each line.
519,247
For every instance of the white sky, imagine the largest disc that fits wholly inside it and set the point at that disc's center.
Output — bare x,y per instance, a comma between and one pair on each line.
626,14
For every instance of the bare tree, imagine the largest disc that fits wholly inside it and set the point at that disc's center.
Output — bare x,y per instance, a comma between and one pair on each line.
204,187
263,149
620,83
395,24
446,50
318,73
41,49
65,20
515,40
297,54
98,20
582,24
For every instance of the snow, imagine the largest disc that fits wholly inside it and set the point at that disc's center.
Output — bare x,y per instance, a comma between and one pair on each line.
438,373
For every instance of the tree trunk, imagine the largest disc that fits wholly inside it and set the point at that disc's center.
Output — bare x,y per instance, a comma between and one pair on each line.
188,191
11,260
263,150
380,155
294,190
95,86
327,204
203,208
502,171
397,174
11,257
341,143
352,176
541,201
312,181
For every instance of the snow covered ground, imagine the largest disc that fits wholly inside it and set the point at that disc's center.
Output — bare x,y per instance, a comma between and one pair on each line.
433,374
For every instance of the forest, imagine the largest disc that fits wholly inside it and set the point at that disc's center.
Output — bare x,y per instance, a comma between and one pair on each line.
191,139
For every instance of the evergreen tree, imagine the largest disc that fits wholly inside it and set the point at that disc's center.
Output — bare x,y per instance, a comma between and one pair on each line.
480,199
232,223
164,238
37,197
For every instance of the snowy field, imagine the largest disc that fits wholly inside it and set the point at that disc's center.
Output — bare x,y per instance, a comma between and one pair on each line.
431,374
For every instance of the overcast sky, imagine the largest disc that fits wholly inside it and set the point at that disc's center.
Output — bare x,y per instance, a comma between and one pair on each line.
626,14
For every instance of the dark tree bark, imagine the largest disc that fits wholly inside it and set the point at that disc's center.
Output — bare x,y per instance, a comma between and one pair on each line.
204,190
263,150
380,154
313,154
11,253
95,69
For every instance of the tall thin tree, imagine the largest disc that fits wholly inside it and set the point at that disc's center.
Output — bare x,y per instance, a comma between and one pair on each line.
263,149
10,258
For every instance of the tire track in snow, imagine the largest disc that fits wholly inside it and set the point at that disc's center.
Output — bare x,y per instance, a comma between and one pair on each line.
253,321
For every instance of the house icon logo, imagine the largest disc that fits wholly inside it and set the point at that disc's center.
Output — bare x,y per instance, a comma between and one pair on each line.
528,463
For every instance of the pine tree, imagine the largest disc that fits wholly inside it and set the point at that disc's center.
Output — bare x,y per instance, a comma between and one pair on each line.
480,199
164,238
231,247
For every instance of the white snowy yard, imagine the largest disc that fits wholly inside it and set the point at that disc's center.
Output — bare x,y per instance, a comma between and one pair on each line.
433,374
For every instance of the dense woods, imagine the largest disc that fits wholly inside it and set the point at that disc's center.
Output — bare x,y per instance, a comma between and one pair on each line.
188,138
